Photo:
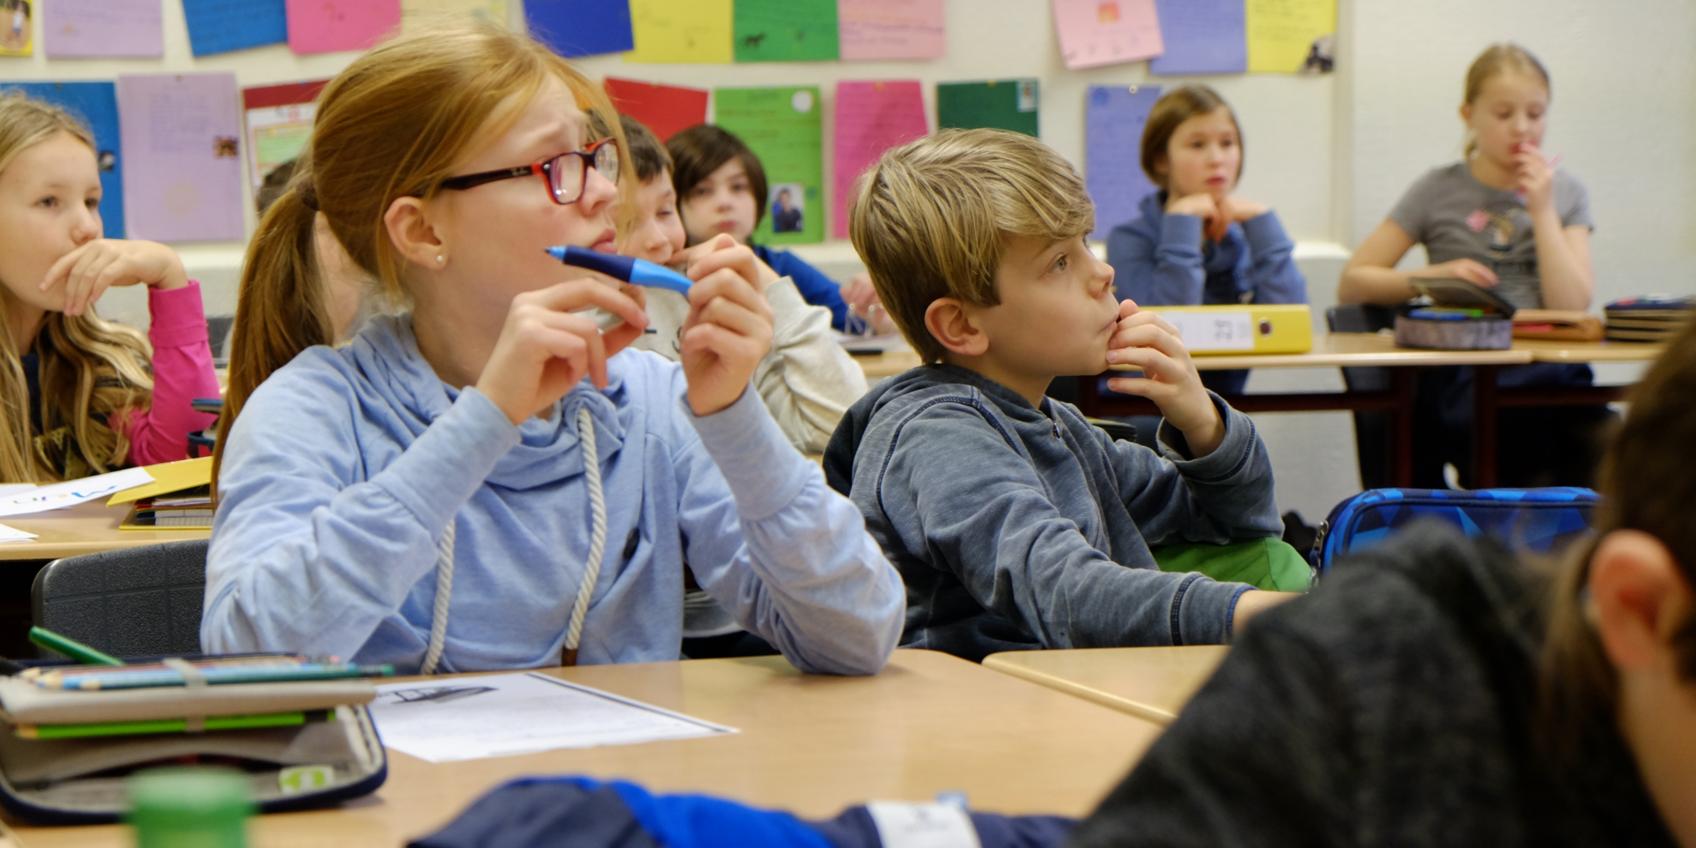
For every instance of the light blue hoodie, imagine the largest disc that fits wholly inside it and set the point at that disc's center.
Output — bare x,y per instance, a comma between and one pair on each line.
346,466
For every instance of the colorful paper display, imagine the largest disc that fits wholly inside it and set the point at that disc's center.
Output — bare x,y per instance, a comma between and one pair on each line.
1113,121
17,29
279,125
785,30
890,29
182,145
96,104
697,32
665,110
1106,32
85,29
581,27
999,104
1284,34
221,26
785,128
418,13
1201,37
871,117
328,26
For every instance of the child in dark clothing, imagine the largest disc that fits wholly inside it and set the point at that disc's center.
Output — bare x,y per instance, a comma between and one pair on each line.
1436,692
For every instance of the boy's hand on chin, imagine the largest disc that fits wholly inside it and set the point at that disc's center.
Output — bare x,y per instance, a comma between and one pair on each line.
1149,343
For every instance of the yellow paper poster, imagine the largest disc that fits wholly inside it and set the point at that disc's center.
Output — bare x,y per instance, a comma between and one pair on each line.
416,13
1290,36
17,25
680,31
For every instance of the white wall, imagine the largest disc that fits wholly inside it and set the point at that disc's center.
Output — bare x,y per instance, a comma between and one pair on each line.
1623,116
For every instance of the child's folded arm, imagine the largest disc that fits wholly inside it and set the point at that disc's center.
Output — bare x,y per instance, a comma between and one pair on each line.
1224,496
297,534
808,381
788,557
958,492
1273,274
1158,272
182,371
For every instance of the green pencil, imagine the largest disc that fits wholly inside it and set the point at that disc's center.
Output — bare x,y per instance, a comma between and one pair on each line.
71,647
169,725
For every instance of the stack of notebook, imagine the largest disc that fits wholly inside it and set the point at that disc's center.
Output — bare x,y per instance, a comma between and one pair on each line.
1651,318
296,729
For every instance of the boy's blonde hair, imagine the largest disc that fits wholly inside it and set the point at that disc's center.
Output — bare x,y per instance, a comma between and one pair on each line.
392,124
933,217
93,372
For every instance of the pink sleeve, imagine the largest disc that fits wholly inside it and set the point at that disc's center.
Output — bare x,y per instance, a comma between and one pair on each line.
182,371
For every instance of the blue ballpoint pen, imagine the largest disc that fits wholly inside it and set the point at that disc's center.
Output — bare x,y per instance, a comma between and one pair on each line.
640,272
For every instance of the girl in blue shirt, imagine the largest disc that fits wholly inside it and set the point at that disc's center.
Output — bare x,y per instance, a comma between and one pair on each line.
484,480
1193,241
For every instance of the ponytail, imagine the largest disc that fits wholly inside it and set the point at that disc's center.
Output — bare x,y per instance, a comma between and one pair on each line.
281,307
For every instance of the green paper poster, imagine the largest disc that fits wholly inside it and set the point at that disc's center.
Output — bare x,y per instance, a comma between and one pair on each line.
785,31
783,127
1000,104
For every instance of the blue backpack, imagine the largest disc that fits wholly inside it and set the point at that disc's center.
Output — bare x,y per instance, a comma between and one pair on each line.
1528,520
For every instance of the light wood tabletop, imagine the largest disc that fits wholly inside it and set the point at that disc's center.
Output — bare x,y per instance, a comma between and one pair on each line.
82,529
888,363
1331,350
929,723
1589,352
1151,683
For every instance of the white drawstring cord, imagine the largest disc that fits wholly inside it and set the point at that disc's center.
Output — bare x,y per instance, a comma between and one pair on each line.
444,593
592,569
597,534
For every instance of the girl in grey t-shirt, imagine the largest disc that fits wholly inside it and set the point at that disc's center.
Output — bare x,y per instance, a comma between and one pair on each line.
1505,218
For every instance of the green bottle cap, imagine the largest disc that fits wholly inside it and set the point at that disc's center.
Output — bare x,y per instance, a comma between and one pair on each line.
189,808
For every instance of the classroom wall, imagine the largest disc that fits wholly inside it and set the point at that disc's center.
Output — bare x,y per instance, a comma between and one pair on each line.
1623,116
1331,153
1288,119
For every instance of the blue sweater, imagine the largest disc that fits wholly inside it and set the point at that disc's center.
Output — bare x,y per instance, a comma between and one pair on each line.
346,466
1160,260
815,287
1016,527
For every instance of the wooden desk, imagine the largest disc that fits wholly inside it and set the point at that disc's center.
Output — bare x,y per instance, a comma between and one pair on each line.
1150,683
929,723
83,529
1591,353
1378,350
888,363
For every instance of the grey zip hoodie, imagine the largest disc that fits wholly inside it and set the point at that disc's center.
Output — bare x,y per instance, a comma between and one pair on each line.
1016,527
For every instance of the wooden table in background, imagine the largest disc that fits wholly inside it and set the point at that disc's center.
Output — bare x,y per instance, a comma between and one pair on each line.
1150,683
929,723
888,363
1379,350
82,529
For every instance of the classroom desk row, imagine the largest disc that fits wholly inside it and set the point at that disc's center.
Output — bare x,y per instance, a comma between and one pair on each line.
928,724
1379,350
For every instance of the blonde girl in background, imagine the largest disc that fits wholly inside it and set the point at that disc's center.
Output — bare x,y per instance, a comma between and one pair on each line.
1507,219
80,395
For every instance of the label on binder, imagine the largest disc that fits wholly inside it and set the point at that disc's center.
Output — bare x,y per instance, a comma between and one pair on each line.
1214,330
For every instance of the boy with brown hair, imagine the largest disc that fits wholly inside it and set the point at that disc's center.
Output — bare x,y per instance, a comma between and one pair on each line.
1016,523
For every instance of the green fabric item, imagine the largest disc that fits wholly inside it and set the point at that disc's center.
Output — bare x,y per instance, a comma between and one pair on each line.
1261,563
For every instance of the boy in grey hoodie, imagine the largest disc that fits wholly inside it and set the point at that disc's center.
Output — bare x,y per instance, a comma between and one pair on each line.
1016,523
